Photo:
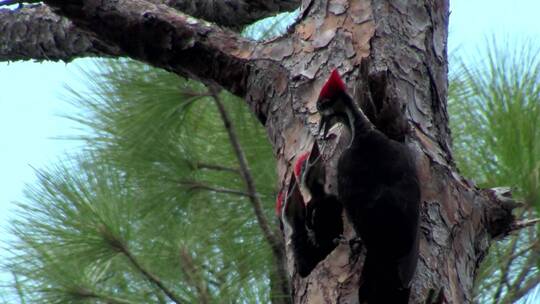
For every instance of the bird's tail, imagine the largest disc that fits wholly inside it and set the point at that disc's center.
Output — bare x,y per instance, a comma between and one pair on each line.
381,283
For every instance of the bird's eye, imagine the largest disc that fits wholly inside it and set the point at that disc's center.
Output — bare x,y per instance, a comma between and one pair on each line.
323,104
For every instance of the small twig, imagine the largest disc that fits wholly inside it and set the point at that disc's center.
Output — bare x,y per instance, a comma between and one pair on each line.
530,284
191,93
82,292
18,287
532,246
161,299
518,225
217,168
119,246
526,268
150,276
269,234
504,270
194,276
212,278
246,174
107,299
191,185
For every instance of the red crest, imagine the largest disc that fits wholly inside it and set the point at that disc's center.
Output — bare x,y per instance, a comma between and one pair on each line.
333,86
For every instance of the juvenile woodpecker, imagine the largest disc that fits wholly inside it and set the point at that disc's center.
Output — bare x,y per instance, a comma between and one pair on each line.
317,223
378,186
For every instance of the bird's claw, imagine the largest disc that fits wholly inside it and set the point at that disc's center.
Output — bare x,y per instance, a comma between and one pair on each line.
341,239
356,244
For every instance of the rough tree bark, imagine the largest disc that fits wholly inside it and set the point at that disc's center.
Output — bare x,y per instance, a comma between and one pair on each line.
392,51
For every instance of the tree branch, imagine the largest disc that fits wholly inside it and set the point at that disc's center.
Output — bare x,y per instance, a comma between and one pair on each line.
518,225
217,168
499,216
151,277
35,32
192,185
517,289
504,270
534,245
194,276
120,246
268,232
18,288
165,38
85,294
233,13
153,33
518,294
246,175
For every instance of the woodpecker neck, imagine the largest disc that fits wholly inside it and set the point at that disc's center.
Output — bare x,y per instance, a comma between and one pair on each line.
358,123
359,120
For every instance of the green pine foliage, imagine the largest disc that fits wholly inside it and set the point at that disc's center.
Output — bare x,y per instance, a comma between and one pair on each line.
494,105
157,194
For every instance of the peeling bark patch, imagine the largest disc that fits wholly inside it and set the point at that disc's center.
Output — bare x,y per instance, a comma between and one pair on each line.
244,51
279,50
302,64
281,83
305,30
326,32
313,66
324,37
440,235
434,227
341,35
361,11
361,36
348,44
338,7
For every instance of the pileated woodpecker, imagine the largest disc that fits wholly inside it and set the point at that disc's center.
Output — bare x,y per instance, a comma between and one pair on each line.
317,223
378,186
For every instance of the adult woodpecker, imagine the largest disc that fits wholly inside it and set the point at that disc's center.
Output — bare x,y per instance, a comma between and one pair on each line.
317,223
379,189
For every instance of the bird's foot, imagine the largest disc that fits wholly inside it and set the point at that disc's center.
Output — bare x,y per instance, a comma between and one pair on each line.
356,245
341,239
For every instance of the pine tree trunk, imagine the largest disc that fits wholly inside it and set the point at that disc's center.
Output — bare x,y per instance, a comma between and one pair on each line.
395,52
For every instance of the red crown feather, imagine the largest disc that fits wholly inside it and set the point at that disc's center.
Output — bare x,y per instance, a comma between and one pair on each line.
299,163
333,86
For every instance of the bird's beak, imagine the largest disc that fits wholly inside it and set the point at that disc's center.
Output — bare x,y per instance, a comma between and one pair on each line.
324,126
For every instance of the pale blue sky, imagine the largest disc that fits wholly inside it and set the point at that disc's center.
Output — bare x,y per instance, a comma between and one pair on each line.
30,105
31,93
